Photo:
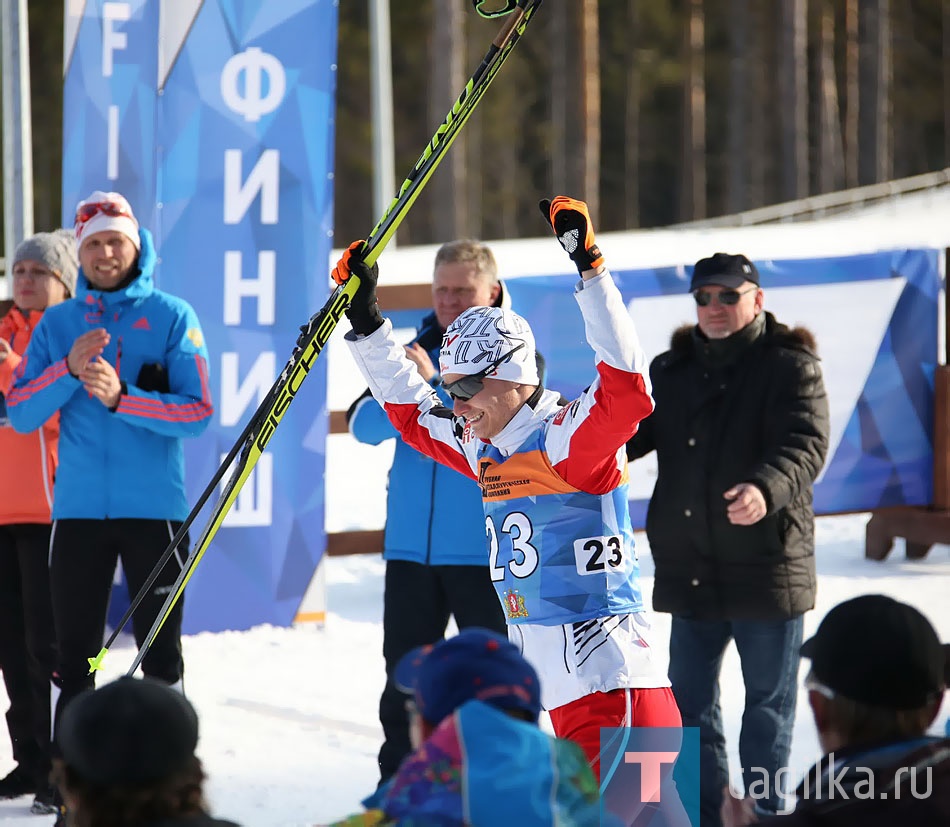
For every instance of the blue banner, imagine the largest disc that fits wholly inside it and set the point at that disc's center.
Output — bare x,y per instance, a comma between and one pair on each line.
875,319
215,120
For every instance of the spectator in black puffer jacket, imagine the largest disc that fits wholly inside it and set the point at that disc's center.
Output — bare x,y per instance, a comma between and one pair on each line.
740,429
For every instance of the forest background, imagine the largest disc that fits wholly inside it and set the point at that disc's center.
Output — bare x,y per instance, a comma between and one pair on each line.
656,112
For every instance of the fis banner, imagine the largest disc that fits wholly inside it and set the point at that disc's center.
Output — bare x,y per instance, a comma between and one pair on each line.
874,318
215,119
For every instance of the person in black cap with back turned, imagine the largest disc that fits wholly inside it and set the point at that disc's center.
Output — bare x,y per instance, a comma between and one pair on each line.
877,679
740,429
128,757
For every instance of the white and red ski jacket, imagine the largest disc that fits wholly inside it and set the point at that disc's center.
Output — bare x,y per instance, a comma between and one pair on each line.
582,449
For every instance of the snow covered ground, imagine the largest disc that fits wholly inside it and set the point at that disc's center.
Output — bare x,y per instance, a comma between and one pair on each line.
288,716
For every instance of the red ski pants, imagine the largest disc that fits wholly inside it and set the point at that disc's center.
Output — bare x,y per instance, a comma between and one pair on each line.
580,721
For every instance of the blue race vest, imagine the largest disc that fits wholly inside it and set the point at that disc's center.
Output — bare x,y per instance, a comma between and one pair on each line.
557,555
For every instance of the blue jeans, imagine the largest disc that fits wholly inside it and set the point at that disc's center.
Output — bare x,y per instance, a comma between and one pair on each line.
768,651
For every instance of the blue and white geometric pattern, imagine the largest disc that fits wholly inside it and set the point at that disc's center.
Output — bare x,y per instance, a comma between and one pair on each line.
215,119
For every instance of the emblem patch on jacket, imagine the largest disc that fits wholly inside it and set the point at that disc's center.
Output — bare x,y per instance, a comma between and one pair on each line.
514,604
194,336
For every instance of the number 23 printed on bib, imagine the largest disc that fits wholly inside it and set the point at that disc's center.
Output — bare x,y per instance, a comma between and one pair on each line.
523,557
595,555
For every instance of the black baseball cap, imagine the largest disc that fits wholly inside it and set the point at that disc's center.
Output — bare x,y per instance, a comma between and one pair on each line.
880,652
130,731
724,270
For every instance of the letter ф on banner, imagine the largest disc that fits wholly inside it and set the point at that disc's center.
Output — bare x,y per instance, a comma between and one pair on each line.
647,773
259,70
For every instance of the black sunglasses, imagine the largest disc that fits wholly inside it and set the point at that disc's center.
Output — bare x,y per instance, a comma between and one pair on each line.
468,386
727,297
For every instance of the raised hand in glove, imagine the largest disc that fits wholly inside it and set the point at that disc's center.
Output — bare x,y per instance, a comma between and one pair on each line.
572,226
363,311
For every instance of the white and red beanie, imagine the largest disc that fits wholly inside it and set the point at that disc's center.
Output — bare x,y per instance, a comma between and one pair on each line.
482,335
115,214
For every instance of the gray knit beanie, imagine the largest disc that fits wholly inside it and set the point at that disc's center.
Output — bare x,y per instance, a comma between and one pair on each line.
56,251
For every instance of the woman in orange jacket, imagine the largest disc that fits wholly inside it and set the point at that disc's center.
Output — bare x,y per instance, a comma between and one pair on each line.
43,270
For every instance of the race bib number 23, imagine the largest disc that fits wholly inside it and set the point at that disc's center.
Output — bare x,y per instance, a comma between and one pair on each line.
595,555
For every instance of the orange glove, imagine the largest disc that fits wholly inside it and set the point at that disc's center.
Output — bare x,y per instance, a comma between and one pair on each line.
344,267
363,311
571,223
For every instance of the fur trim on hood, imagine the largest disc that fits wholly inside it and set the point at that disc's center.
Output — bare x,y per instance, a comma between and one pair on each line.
795,338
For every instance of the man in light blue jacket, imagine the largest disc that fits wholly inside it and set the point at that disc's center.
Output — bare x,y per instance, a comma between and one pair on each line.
127,368
434,547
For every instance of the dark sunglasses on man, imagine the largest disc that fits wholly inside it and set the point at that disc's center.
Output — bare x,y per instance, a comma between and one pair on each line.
466,387
729,298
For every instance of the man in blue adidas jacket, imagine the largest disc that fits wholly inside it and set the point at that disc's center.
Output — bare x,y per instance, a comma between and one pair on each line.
127,368
434,546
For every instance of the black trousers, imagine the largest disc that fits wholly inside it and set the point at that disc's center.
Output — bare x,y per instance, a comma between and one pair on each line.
83,557
27,643
417,603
